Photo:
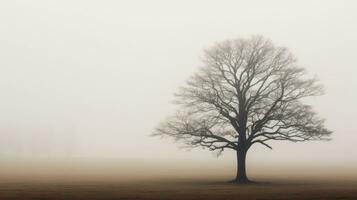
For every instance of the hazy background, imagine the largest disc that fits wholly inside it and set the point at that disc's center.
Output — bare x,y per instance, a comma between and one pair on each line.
83,79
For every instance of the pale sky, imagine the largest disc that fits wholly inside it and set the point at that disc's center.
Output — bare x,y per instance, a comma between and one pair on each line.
84,78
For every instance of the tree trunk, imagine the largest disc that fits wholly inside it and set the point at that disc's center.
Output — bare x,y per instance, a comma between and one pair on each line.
241,171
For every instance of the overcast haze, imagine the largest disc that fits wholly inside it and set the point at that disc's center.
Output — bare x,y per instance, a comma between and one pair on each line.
92,79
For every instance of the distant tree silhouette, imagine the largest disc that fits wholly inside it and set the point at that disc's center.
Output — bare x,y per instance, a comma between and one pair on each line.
247,92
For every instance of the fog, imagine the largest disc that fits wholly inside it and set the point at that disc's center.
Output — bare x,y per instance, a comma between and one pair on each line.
92,79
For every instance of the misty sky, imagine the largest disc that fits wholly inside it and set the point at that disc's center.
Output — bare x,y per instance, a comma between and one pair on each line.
86,78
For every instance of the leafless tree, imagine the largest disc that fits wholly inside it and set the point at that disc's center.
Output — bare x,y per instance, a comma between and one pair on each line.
247,92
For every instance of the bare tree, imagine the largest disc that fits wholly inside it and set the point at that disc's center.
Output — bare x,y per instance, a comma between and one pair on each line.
248,92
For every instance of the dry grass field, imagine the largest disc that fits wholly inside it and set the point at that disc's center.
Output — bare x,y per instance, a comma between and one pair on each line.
177,190
118,180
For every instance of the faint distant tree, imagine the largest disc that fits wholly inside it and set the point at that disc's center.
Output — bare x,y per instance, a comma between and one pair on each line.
247,92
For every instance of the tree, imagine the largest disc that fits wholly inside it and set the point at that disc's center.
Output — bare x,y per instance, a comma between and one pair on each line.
247,92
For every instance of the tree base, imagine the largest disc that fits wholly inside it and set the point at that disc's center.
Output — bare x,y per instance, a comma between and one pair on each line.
242,182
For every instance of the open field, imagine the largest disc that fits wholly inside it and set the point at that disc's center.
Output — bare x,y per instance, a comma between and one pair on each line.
86,180
178,190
